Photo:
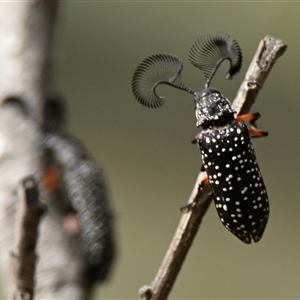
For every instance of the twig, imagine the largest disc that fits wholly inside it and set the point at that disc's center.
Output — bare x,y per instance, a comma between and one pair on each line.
268,51
23,257
266,55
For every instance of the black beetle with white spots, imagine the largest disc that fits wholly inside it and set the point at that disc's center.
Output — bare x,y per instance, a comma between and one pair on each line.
225,143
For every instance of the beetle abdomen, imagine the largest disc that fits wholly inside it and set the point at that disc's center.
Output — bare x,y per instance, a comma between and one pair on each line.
239,191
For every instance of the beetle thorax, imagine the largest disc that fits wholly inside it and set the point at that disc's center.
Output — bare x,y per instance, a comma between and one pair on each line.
212,108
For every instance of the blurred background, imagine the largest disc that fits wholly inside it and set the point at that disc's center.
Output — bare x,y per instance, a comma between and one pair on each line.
147,155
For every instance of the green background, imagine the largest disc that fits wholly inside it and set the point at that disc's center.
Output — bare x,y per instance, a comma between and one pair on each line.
147,154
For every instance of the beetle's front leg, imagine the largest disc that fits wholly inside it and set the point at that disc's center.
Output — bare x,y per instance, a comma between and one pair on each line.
253,130
195,140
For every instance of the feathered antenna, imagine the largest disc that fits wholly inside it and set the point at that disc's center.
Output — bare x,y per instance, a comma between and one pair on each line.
154,70
211,49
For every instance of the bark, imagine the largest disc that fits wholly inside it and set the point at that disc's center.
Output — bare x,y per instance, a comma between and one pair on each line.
26,45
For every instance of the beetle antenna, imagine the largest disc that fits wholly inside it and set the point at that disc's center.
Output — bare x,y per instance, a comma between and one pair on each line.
210,50
152,71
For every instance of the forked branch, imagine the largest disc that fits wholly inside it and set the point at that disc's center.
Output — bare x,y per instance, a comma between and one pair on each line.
269,50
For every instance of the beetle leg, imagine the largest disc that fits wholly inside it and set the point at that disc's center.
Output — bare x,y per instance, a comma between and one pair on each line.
255,133
252,117
50,179
204,182
195,140
253,130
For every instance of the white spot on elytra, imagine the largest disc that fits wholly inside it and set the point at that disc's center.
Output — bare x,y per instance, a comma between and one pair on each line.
244,190
225,207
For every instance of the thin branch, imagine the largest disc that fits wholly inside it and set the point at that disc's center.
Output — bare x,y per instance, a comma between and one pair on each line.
269,50
23,257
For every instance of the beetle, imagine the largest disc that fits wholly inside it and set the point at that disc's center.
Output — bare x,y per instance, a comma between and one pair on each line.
228,156
77,191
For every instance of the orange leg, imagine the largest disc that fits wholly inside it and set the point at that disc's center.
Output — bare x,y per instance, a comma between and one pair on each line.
255,133
252,117
50,179
195,140
204,182
248,117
